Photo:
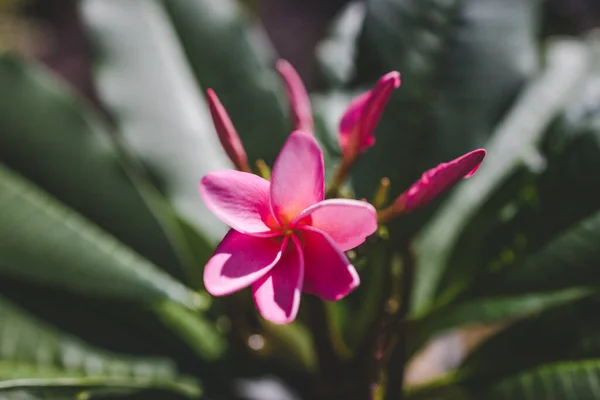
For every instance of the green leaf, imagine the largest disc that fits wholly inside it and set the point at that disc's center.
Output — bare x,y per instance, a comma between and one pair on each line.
409,36
486,310
46,242
570,259
513,223
67,150
117,325
229,53
196,332
34,356
574,380
58,384
462,62
566,265
566,333
145,81
512,145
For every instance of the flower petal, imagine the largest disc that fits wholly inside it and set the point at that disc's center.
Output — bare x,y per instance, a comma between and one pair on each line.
349,122
297,181
328,272
277,294
300,108
438,180
347,222
227,134
240,260
239,199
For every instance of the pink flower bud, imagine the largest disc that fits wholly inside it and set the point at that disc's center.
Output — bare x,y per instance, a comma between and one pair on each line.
357,127
227,134
438,180
300,108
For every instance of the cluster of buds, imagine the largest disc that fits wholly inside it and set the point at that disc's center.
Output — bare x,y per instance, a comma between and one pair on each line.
286,238
356,134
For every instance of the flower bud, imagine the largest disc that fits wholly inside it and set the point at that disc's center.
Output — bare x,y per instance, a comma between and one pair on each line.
227,134
357,126
433,183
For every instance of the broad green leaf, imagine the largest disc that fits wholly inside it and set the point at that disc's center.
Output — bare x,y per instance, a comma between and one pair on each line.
512,145
20,380
409,36
229,53
49,135
199,334
513,223
566,333
145,81
35,356
563,339
461,61
493,52
486,310
120,326
569,380
46,242
570,259
566,380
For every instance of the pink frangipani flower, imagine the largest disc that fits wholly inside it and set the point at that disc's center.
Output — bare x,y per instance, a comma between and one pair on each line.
226,131
285,238
357,126
436,181
299,101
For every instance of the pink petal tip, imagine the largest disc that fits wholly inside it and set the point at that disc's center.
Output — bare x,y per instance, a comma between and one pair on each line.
298,98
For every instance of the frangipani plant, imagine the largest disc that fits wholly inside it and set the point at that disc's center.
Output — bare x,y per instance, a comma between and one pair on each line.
285,237
325,258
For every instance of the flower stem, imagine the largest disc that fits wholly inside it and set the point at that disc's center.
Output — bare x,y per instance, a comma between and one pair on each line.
339,177
329,362
394,386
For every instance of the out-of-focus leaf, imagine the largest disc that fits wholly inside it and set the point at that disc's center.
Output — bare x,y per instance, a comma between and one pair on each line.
569,332
513,144
55,384
336,53
577,380
144,79
488,310
409,36
196,332
53,139
46,242
36,357
513,223
569,260
462,62
230,54
118,326
566,265
567,337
